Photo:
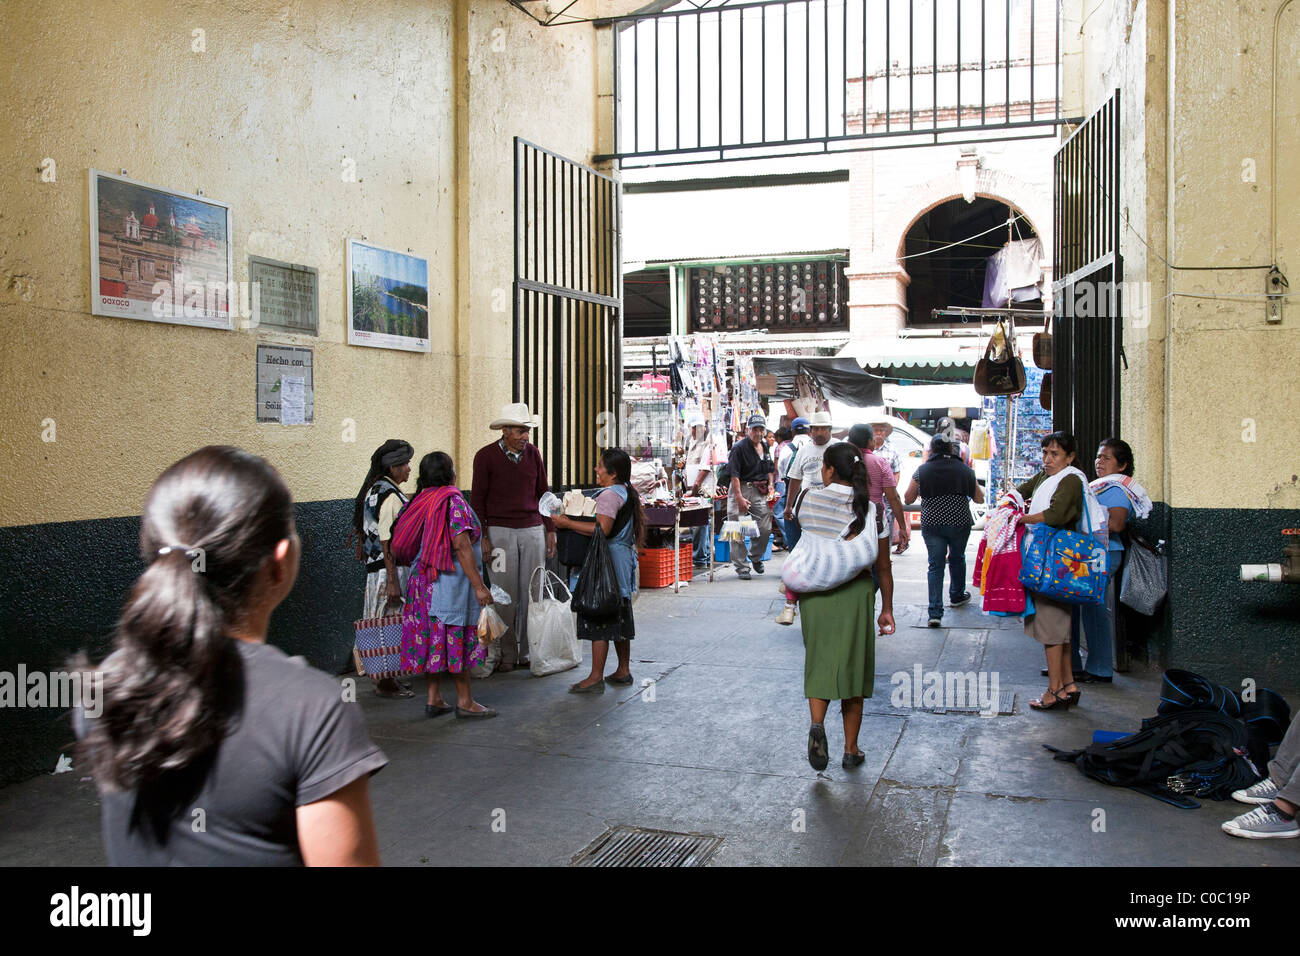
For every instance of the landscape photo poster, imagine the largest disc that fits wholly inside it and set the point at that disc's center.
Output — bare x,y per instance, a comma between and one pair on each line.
160,255
388,298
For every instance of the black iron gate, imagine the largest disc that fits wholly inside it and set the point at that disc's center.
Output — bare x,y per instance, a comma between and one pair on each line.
568,309
1088,279
719,81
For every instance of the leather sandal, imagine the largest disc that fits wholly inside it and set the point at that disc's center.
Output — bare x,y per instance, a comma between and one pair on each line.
1057,703
1073,695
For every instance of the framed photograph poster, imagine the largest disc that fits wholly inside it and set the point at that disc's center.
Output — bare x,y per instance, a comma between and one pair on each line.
159,255
388,298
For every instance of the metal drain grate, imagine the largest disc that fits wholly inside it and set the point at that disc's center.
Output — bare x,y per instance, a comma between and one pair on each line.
1006,707
638,846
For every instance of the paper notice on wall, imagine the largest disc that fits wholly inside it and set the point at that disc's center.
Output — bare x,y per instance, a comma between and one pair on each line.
293,400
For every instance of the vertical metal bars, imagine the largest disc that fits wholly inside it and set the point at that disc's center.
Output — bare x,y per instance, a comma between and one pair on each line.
1087,306
568,292
1007,104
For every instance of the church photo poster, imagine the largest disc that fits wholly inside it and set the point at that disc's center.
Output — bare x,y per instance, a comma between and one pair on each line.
388,298
159,255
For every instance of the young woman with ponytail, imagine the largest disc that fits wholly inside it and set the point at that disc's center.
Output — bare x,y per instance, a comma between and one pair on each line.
213,747
839,633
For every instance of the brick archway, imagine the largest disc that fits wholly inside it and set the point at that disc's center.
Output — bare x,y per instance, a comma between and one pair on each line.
881,287
989,184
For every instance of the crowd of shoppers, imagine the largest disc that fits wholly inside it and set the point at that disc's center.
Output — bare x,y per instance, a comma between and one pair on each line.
199,710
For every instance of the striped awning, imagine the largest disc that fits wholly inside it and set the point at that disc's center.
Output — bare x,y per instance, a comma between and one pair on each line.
893,353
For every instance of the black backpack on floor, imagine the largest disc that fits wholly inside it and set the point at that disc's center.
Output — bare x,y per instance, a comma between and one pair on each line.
1189,753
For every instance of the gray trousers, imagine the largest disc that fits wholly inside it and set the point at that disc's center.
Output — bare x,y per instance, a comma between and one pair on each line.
761,513
1284,769
517,553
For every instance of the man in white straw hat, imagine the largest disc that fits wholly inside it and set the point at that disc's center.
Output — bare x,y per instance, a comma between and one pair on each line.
805,470
509,481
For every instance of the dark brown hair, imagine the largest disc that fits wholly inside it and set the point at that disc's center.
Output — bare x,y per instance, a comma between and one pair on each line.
617,463
174,679
846,461
1122,452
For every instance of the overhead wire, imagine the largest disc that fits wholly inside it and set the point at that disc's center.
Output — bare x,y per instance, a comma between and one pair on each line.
930,252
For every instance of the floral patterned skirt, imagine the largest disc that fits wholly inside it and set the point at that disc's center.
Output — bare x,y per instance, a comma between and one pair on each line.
431,647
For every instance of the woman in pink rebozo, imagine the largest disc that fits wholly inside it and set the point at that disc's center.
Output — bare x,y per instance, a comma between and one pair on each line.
446,592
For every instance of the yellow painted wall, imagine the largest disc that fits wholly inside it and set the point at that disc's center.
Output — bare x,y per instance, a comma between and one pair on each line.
530,81
412,90
1189,401
1230,369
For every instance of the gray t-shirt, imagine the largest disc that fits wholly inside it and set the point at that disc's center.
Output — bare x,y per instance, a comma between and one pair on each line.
295,741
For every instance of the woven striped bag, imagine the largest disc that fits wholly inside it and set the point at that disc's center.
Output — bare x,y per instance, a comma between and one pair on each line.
378,651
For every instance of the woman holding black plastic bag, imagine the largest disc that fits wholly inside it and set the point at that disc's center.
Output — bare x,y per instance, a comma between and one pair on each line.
610,568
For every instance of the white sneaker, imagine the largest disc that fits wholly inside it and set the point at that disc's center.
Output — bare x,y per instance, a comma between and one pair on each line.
1262,823
1262,792
786,616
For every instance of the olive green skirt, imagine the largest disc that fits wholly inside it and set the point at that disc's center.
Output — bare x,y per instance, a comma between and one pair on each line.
839,639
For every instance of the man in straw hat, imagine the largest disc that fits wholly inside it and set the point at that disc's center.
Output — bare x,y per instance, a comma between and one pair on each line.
509,481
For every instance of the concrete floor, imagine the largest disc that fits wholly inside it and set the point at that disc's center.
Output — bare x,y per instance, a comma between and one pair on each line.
721,750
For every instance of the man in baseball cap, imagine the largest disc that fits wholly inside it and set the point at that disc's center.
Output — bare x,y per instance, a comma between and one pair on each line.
751,469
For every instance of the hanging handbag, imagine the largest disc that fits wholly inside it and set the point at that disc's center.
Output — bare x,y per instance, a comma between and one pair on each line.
1045,392
1000,371
820,563
1043,347
1065,565
1145,579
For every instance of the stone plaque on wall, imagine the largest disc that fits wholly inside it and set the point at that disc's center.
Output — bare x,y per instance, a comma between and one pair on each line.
287,295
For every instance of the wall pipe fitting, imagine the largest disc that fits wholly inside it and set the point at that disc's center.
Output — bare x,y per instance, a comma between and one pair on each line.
1288,571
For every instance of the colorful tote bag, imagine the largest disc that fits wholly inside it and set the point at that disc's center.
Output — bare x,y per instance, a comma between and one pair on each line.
1065,565
378,651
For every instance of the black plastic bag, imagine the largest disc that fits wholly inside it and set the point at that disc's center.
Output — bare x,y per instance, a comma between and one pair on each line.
596,594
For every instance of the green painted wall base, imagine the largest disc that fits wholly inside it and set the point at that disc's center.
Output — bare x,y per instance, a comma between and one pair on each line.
63,585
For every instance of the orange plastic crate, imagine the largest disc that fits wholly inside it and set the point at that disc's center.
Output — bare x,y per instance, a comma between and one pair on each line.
656,566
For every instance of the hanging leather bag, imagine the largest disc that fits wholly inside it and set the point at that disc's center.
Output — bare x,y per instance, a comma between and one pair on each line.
1000,371
1043,348
1045,391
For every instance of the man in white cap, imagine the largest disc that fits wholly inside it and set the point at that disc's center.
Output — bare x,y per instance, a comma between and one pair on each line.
509,481
751,469
806,469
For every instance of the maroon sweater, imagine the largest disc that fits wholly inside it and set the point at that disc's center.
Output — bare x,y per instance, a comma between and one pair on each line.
506,494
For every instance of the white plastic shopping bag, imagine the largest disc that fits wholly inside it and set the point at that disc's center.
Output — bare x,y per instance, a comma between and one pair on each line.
552,634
